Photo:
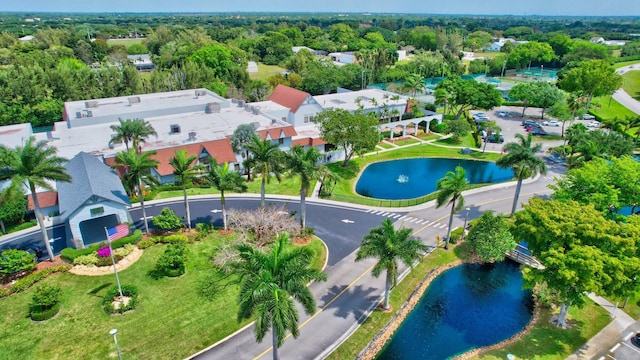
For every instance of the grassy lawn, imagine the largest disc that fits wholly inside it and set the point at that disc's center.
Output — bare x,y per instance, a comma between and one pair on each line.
171,320
633,305
266,71
609,108
625,63
466,141
549,137
377,320
385,145
429,136
405,142
546,341
125,42
631,83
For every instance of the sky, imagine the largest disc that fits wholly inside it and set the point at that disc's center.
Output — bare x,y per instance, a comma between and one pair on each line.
474,7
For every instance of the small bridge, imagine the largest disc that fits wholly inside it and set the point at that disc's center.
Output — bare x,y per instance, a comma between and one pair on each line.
522,255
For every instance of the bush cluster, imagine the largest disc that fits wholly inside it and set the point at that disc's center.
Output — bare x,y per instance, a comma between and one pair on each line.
70,254
27,281
169,239
171,263
128,291
94,259
13,261
45,302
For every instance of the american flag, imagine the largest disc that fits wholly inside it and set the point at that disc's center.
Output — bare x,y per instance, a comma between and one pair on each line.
118,232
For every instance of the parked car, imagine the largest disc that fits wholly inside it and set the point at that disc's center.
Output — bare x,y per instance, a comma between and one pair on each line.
503,114
551,123
593,124
526,123
588,117
532,126
495,139
538,132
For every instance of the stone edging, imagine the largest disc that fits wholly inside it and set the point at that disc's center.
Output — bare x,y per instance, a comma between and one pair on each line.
104,270
373,348
380,340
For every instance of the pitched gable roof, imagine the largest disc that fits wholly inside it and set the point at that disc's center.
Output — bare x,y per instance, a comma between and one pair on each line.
277,133
89,177
45,199
288,97
218,149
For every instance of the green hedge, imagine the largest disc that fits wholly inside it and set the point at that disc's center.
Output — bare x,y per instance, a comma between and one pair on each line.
44,314
27,281
169,239
128,291
70,254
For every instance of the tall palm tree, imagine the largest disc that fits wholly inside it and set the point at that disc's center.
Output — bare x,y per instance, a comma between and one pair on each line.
240,139
266,159
450,189
302,162
132,130
521,157
388,246
185,170
138,172
414,83
225,179
141,131
34,164
270,281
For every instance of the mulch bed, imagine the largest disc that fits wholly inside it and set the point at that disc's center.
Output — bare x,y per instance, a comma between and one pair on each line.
47,264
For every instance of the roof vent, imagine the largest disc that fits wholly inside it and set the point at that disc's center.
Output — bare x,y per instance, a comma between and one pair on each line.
212,108
255,110
78,114
247,107
174,129
240,103
134,100
91,104
192,136
201,92
234,100
89,113
273,121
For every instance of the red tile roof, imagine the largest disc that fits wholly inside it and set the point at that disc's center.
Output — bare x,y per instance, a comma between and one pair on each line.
219,149
45,199
308,142
288,97
289,131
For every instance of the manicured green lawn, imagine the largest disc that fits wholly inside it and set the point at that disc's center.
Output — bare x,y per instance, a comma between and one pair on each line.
609,108
546,341
171,320
625,63
385,145
631,83
266,71
406,142
125,42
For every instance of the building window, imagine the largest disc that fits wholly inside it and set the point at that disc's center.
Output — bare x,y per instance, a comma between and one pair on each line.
281,141
308,118
97,211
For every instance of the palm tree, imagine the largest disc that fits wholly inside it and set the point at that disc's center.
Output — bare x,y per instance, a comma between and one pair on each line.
225,179
243,136
34,164
450,189
138,172
303,163
185,170
414,83
521,157
270,281
388,246
266,159
132,130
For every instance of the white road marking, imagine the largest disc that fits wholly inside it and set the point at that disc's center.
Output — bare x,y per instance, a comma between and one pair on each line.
215,211
347,221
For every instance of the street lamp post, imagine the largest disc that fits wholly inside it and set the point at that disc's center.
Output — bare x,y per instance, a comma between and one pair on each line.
113,333
464,228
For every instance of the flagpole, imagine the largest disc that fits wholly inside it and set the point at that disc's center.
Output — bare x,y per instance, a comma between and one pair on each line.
113,260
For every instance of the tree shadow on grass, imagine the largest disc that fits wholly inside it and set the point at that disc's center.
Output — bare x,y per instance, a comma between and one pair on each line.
349,172
96,290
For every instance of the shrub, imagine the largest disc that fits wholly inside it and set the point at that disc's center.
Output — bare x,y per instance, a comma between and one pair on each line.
88,260
123,251
167,220
69,254
44,301
146,243
27,281
171,262
174,239
14,261
456,235
129,291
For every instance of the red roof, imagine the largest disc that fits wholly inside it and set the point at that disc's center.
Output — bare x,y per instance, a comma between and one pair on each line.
45,199
289,131
308,142
219,149
288,97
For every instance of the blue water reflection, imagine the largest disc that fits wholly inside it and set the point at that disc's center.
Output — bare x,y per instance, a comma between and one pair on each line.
411,178
466,307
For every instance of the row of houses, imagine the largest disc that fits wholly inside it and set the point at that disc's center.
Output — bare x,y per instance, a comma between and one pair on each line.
198,121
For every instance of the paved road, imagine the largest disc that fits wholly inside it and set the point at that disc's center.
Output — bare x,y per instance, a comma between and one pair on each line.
622,97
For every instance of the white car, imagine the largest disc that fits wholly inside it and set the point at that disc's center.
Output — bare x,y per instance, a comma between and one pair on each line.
551,123
588,117
593,124
503,114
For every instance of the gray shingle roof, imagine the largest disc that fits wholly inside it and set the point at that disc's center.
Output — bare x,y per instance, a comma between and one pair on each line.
89,177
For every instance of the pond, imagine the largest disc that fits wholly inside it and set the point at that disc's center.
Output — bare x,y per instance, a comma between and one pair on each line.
412,178
466,307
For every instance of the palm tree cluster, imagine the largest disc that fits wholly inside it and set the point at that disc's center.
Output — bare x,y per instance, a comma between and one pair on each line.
134,131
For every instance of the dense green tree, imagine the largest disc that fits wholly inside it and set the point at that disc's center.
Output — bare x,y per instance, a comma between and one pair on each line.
13,205
457,128
185,171
525,54
477,39
138,174
303,162
240,139
580,50
354,133
270,281
224,179
389,246
321,77
34,164
273,48
450,189
468,94
267,160
490,238
217,57
577,259
521,157
590,78
538,94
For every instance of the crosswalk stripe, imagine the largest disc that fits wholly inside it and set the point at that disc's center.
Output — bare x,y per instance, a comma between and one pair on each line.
443,226
390,215
402,217
413,220
376,212
384,214
396,216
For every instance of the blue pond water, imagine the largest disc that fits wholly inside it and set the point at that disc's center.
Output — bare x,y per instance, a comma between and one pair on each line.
385,180
466,307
